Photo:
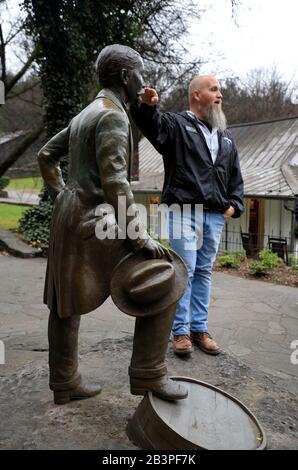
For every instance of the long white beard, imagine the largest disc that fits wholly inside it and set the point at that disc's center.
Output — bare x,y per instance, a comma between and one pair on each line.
214,117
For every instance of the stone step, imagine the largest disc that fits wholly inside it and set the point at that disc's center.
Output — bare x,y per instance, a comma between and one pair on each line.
16,247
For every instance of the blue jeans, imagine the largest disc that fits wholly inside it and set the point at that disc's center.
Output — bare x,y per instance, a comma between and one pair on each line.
192,308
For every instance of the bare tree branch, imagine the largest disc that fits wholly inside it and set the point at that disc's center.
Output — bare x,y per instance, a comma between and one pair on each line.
23,70
13,34
154,33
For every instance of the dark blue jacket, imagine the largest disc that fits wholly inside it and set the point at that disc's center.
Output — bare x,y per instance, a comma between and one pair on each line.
191,177
296,209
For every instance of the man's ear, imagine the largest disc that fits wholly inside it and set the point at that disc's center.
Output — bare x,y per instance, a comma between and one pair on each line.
124,76
196,95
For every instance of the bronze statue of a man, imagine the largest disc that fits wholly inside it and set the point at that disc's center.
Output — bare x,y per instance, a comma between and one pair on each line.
99,144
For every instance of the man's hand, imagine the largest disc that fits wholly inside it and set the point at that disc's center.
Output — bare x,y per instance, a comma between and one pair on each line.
229,212
156,250
150,96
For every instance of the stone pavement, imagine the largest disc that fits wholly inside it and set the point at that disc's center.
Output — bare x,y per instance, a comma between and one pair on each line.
254,322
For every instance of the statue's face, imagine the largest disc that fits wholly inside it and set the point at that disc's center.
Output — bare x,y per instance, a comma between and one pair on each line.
134,84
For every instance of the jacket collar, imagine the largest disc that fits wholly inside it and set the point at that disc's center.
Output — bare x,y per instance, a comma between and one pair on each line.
195,123
107,93
190,118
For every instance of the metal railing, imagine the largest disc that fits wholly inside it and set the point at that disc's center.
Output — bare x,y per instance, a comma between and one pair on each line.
252,243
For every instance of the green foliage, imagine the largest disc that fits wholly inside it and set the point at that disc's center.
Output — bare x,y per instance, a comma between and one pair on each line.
69,36
258,268
240,254
270,259
4,181
35,223
229,261
293,262
268,262
237,254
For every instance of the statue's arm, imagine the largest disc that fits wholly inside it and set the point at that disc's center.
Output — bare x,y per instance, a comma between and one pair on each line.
112,134
48,159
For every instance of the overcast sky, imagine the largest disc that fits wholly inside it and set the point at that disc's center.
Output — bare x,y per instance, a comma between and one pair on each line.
264,34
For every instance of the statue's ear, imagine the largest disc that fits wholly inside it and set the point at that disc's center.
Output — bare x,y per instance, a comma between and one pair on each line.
124,76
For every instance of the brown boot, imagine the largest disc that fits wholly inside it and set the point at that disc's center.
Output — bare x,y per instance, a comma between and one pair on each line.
205,342
148,371
81,392
163,387
182,345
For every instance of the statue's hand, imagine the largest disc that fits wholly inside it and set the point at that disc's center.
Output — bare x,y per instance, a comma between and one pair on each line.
150,96
156,250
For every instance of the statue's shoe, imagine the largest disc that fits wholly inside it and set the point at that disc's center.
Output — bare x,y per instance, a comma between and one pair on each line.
164,388
81,392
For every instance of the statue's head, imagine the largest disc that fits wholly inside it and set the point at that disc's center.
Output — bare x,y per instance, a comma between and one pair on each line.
121,66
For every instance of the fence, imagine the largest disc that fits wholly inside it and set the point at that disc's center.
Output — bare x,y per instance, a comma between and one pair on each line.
233,240
252,243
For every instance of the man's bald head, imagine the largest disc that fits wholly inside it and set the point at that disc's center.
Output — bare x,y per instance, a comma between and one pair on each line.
199,83
205,100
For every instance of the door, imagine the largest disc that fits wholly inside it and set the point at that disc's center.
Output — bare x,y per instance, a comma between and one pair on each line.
256,223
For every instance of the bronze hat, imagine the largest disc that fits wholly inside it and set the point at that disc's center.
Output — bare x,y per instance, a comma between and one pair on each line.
144,287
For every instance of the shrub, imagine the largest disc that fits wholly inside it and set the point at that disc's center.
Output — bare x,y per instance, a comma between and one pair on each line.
4,181
35,223
293,262
229,261
258,268
270,259
268,262
239,254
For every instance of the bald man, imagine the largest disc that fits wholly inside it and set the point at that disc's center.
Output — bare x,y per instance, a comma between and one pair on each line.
201,168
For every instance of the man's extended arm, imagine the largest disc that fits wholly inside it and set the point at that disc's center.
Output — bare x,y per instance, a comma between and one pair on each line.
156,126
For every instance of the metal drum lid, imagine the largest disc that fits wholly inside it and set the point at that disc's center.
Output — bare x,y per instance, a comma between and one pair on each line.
208,418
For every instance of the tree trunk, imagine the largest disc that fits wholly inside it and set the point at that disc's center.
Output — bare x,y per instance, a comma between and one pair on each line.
20,149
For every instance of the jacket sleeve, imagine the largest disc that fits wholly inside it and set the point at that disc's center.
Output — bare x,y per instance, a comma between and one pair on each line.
296,209
112,134
235,186
48,160
156,126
